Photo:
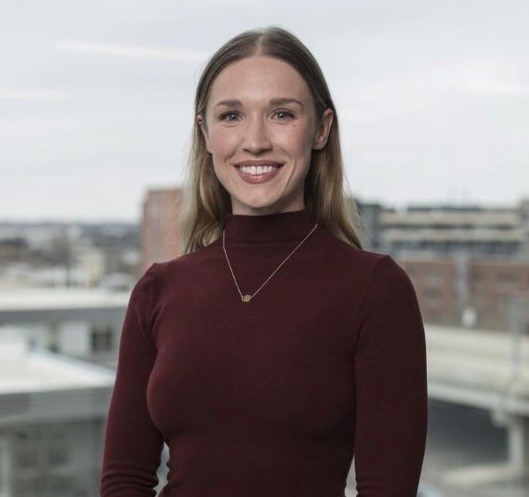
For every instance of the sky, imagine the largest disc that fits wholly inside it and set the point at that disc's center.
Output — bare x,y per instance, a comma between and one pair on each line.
96,98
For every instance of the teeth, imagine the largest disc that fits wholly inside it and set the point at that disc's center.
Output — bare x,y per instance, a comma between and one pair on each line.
258,169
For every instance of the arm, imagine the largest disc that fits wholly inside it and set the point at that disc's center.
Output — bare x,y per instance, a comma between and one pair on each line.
132,448
391,386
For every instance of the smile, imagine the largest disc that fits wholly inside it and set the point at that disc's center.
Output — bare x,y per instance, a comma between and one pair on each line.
258,174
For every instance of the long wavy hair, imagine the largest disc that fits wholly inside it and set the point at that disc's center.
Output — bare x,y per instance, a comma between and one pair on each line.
205,201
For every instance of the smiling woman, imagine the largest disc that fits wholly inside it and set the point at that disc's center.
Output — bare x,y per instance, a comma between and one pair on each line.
262,101
275,349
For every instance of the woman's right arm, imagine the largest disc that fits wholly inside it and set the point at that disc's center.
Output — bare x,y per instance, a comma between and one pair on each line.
133,444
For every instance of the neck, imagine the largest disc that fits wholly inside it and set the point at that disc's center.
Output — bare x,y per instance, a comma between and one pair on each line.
280,226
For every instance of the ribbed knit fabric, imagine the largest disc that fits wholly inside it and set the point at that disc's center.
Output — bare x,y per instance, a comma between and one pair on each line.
270,398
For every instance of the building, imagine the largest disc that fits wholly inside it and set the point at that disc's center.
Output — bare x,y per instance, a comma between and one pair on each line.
77,322
447,229
159,226
52,417
471,291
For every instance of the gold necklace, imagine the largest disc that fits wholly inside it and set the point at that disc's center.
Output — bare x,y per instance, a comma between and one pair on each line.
247,297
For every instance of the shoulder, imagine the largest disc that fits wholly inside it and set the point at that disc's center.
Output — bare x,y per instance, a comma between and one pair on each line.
180,268
387,279
365,265
389,291
386,271
142,289
346,251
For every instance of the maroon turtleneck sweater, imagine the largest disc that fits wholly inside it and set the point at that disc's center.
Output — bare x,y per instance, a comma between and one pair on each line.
274,397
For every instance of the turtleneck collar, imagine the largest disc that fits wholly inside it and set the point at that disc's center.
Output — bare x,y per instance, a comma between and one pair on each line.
284,226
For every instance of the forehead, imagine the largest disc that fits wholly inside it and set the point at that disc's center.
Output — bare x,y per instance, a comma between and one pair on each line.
258,78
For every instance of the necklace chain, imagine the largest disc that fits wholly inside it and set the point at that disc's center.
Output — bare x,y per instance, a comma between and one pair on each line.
248,297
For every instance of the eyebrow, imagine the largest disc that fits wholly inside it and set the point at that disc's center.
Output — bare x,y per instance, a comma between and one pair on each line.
273,101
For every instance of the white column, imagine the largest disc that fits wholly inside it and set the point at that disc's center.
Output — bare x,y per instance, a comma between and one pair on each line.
517,427
5,466
518,433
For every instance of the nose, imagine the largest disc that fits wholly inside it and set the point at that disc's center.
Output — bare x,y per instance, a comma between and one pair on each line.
256,136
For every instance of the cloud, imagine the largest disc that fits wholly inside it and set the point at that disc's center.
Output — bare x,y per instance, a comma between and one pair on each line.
34,94
500,79
479,75
134,51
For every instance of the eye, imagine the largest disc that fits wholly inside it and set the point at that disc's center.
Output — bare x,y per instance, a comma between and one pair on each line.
286,112
283,113
223,116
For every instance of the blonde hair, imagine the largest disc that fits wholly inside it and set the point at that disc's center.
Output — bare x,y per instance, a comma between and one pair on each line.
206,201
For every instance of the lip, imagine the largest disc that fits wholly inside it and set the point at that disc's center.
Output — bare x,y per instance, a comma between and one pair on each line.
259,163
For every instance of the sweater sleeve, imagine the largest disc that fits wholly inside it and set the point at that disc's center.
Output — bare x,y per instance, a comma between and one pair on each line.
132,444
391,386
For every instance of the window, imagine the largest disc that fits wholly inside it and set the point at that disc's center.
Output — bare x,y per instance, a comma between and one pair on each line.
102,339
54,338
57,449
26,449
41,459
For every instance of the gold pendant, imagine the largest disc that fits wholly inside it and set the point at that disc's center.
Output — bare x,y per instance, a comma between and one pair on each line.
246,298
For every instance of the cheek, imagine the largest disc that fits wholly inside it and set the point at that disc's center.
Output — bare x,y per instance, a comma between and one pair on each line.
222,142
296,141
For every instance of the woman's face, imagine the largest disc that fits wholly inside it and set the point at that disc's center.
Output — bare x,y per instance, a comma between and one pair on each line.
260,110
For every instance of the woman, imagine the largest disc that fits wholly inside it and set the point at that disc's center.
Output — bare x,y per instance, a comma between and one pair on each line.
275,348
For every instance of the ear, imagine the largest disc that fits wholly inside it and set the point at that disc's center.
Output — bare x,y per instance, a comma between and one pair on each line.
322,133
202,124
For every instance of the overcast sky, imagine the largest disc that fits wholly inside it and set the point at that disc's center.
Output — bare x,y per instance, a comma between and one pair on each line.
96,97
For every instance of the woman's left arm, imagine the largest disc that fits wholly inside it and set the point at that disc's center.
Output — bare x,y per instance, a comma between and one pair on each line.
391,386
